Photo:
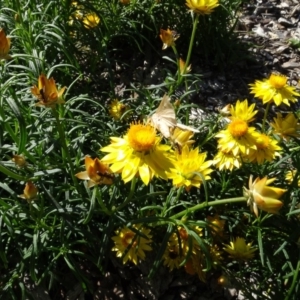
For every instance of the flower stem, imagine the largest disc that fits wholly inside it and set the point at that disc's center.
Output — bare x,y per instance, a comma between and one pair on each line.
265,117
295,277
65,151
207,204
196,20
98,194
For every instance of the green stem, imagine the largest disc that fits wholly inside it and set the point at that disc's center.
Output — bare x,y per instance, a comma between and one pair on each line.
177,61
296,272
206,204
131,192
65,151
187,62
98,194
168,199
265,117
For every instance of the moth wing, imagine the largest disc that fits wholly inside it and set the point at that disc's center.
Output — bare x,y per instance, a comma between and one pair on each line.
185,127
162,125
166,109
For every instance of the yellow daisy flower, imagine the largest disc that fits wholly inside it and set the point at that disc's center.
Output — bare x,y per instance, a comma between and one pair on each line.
238,138
262,196
266,149
238,249
90,20
274,89
172,258
96,172
30,192
140,153
289,177
117,109
227,161
178,247
4,45
168,38
242,111
187,166
202,7
47,93
130,245
286,127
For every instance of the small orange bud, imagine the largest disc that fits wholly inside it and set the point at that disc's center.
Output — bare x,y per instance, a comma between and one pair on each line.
30,192
19,160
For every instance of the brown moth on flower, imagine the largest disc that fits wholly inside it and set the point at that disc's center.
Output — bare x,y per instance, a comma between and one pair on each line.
96,172
164,119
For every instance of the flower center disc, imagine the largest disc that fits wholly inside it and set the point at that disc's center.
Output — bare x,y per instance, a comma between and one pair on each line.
238,128
141,137
278,81
262,142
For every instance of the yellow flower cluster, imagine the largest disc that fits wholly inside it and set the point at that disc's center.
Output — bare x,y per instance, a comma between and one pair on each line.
141,153
87,18
240,142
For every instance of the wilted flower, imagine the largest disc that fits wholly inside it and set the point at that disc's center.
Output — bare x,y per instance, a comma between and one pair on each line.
202,7
96,172
262,196
4,45
274,89
133,244
30,192
19,160
168,37
47,93
286,127
239,250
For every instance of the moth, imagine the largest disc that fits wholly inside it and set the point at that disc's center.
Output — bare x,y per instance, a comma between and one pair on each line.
164,119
